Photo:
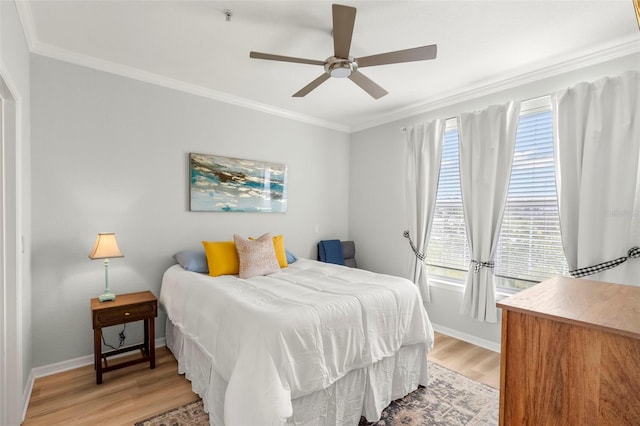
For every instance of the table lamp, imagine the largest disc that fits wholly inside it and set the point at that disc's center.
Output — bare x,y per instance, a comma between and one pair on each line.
106,247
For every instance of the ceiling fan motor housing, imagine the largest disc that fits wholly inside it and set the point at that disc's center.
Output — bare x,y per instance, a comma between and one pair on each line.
340,67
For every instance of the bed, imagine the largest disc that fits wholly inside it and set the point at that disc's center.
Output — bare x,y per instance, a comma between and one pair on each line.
313,344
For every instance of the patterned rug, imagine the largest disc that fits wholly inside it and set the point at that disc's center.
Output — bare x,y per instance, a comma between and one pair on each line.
450,400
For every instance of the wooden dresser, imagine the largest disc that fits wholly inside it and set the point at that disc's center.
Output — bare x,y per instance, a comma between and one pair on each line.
571,354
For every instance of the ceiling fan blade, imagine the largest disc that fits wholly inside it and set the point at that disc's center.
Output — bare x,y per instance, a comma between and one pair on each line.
367,85
270,57
343,19
309,87
407,55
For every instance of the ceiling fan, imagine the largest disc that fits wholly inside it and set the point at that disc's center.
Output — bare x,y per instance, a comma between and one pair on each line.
342,65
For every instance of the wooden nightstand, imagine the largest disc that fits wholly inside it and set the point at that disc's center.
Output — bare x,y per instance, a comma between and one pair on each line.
126,308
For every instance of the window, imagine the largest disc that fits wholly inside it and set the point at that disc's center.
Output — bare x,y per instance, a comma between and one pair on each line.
448,249
530,248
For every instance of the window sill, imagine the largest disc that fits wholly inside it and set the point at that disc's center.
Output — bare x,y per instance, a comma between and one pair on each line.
457,286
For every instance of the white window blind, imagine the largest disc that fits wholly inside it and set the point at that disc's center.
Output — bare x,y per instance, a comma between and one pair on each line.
448,247
529,249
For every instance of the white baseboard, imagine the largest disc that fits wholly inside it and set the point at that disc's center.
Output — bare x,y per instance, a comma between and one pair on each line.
483,343
59,367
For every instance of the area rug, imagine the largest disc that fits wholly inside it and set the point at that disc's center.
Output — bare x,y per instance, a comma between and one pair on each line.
450,400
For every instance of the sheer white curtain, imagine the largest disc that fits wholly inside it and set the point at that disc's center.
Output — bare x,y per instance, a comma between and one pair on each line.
597,149
487,142
423,155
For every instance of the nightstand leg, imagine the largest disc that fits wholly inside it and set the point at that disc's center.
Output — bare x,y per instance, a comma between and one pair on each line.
146,337
97,350
152,342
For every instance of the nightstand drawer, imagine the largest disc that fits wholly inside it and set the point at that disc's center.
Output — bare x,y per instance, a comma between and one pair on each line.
122,314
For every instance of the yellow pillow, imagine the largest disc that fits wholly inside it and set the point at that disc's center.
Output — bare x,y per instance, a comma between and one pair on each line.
281,254
222,258
278,247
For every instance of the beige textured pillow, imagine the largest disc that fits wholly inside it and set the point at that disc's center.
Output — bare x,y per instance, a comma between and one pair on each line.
256,257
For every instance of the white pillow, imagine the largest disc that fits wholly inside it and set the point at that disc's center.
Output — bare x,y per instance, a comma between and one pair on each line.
256,257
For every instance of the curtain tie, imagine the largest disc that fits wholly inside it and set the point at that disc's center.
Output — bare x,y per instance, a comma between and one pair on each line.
477,265
634,252
419,255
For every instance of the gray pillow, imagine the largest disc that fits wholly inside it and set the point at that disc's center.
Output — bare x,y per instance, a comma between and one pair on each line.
194,261
290,257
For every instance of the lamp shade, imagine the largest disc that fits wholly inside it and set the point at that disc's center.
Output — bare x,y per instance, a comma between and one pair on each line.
106,247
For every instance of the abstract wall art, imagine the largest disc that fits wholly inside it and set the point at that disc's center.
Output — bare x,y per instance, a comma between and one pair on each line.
223,184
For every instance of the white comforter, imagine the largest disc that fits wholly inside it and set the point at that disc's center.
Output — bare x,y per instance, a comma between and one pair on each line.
286,335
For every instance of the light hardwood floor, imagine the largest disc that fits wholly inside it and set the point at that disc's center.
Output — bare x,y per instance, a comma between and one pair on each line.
137,393
469,360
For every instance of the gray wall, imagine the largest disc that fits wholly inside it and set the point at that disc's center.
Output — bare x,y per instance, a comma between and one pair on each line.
377,216
110,154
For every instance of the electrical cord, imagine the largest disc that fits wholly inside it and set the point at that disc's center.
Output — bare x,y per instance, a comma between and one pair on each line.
121,336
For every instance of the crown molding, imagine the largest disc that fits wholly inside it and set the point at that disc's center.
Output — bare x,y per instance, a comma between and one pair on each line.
620,49
43,49
26,19
160,80
615,49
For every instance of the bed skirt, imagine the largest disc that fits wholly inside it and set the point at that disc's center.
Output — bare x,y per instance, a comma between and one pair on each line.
363,392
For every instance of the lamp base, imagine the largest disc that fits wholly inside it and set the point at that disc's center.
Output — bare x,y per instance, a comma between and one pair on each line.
106,297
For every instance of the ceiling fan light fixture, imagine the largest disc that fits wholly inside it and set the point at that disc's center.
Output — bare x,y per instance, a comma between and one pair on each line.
340,70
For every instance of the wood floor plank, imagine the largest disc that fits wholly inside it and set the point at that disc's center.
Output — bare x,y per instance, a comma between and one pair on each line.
136,393
126,395
467,359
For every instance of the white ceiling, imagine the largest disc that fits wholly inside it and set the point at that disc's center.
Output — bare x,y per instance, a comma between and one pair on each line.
188,45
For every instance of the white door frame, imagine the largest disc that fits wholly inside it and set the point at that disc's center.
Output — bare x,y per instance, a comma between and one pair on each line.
3,293
12,383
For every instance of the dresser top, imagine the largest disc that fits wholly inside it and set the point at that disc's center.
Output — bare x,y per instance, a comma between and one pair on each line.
614,308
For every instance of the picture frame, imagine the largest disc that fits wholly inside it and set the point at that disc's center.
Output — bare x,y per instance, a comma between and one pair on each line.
226,184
